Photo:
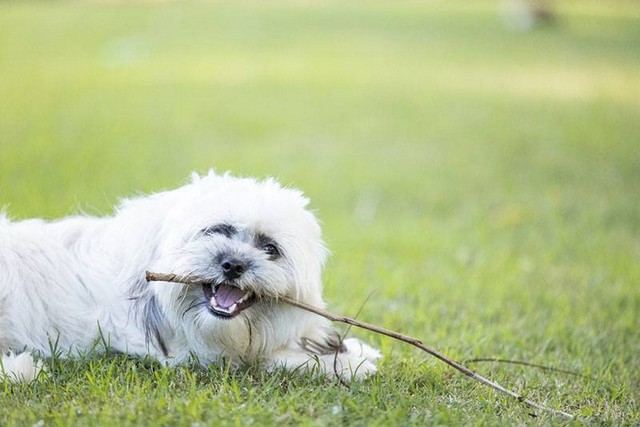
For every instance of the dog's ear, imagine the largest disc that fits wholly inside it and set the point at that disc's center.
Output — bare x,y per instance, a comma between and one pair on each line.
155,324
149,315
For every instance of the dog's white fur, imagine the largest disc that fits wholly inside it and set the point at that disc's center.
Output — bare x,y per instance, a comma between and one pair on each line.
71,284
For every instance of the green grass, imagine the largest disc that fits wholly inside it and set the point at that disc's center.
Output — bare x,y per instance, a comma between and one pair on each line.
484,184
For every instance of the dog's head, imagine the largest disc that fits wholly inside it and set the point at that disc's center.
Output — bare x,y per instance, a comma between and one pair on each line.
250,240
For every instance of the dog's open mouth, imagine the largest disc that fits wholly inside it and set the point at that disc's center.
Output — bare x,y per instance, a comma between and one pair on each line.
226,300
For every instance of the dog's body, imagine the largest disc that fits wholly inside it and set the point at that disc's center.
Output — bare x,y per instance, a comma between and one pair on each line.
80,281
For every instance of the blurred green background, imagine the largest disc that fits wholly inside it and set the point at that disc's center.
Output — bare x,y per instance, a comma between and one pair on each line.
483,181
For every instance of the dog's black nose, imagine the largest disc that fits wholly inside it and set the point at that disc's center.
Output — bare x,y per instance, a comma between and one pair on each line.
233,267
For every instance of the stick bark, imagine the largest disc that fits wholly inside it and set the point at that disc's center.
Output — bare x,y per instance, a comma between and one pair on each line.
190,280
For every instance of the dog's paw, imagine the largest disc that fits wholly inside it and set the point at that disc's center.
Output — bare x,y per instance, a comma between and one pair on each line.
356,369
361,349
357,361
19,368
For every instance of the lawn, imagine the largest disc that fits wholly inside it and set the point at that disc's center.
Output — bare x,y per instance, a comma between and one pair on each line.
479,188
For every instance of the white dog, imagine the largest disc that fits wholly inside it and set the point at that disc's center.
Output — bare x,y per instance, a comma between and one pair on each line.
69,284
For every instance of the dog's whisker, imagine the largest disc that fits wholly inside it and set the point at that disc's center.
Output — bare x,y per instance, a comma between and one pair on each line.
250,333
193,305
184,297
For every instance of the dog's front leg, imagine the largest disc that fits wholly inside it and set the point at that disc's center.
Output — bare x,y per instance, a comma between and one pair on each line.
350,359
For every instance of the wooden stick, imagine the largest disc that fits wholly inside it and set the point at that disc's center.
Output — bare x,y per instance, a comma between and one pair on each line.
530,365
190,280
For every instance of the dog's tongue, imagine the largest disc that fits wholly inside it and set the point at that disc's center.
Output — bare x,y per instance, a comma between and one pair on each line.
227,295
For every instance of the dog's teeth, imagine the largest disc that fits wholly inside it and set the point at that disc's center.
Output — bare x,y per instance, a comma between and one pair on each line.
244,298
223,294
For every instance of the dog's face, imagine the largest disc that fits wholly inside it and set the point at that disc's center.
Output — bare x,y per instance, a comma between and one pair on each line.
245,264
249,239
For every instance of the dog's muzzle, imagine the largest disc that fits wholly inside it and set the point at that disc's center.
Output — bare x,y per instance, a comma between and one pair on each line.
226,300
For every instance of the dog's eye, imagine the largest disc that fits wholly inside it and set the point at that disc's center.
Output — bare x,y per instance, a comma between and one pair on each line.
224,229
271,250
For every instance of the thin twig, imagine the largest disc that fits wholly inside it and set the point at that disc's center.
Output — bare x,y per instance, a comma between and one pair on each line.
341,340
160,277
528,364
